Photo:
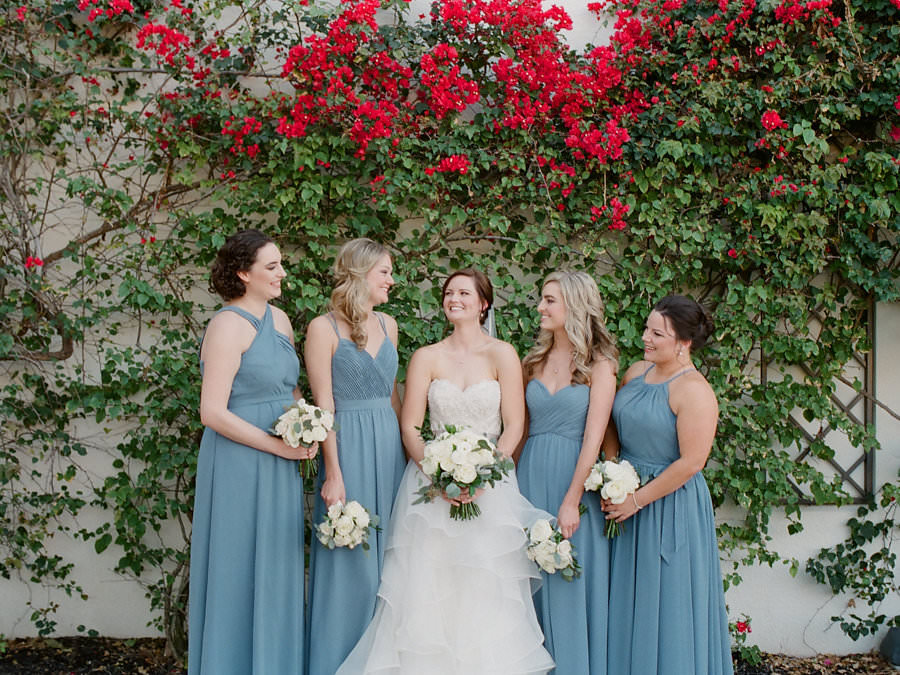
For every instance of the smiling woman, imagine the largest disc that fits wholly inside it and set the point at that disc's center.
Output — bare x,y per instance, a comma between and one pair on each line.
351,356
246,591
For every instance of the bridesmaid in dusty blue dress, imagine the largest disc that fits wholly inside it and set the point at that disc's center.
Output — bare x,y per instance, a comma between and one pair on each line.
571,373
246,594
351,358
667,606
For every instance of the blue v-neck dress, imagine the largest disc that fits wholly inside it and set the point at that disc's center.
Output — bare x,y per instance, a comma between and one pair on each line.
343,583
246,590
666,604
573,614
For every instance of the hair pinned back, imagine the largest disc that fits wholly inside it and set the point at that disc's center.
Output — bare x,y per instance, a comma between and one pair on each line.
237,254
690,320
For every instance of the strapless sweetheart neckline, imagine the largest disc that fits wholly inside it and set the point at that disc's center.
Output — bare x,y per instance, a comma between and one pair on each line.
464,389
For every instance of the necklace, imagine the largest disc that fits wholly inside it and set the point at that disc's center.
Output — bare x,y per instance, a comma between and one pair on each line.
571,358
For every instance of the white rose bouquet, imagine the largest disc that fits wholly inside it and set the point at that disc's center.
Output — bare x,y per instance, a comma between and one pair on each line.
461,461
551,551
346,525
304,424
615,481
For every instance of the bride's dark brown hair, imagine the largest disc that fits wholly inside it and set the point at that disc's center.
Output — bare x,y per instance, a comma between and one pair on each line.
483,287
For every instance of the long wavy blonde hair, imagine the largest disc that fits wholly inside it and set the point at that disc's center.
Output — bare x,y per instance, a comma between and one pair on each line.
584,325
351,292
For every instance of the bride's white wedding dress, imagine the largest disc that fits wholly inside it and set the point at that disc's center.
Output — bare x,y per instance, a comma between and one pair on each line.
455,596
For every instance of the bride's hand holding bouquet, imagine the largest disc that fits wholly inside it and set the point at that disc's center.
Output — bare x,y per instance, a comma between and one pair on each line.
460,463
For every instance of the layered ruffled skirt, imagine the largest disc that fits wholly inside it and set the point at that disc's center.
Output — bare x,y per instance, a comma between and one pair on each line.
455,596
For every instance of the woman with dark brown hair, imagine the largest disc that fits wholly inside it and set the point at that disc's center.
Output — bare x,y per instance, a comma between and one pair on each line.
666,602
246,595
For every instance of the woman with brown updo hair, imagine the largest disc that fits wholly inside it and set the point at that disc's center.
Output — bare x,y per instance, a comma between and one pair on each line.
455,595
351,358
246,592
666,601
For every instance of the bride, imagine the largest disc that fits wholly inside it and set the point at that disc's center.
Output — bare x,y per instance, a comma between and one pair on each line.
455,596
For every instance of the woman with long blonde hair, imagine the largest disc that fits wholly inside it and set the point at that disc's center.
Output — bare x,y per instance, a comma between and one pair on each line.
571,383
351,358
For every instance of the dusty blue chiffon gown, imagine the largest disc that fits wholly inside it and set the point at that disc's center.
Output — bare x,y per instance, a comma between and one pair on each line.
573,614
343,583
246,590
666,603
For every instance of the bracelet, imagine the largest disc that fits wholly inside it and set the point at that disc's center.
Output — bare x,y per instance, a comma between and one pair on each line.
636,505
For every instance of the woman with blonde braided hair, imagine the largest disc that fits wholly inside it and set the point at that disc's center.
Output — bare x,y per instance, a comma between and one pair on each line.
351,358
571,383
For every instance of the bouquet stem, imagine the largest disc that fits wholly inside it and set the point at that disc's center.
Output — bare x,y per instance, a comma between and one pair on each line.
614,529
309,468
464,511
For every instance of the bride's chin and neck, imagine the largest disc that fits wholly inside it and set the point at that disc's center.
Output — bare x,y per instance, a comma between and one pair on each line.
467,332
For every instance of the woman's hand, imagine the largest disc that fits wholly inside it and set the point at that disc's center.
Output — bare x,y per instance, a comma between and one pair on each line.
568,519
282,449
620,512
464,498
333,490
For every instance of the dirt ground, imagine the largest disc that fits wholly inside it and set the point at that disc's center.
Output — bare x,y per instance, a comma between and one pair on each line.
77,655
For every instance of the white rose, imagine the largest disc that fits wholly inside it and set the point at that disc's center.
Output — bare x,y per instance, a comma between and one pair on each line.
464,473
335,511
484,457
354,509
344,525
429,465
594,480
341,540
540,531
325,529
462,458
613,470
545,555
614,492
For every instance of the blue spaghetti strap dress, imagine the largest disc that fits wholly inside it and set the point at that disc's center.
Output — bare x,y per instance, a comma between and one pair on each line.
666,605
246,590
343,583
572,614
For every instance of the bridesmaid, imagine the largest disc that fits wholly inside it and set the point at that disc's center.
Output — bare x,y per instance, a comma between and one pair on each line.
246,595
571,375
351,357
666,604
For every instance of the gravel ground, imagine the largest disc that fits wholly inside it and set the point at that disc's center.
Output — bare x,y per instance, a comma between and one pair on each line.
77,655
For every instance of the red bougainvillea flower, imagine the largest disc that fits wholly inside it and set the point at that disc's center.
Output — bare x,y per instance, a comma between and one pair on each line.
452,164
772,120
742,626
21,12
897,100
732,253
31,261
895,131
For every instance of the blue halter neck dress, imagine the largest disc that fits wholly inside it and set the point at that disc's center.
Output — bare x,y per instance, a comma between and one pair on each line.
666,602
246,590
